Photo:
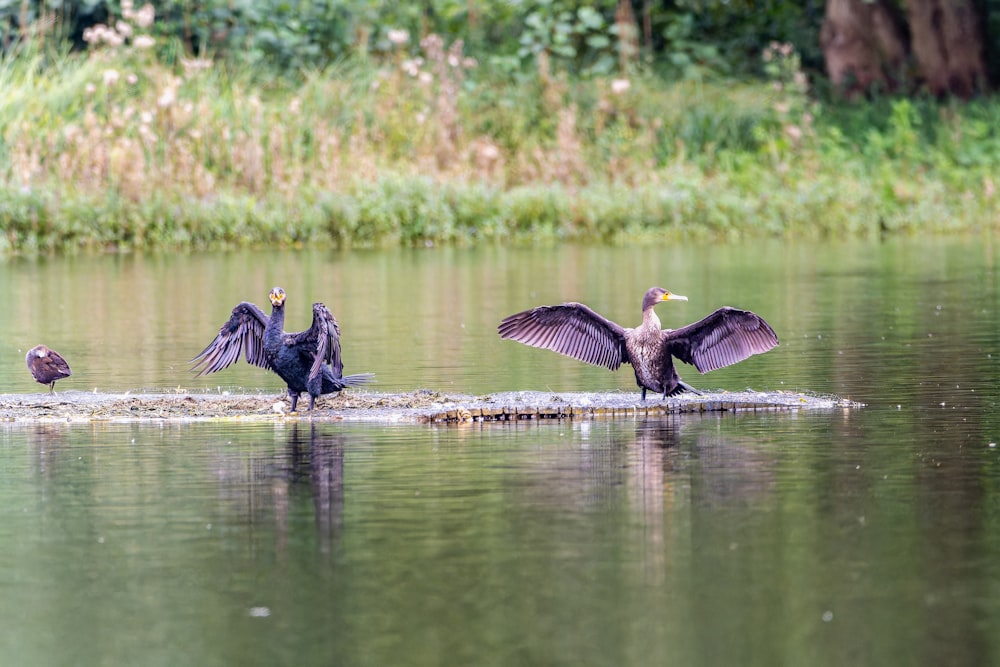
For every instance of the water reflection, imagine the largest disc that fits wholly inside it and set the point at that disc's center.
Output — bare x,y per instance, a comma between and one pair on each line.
316,459
292,462
713,465
49,444
711,539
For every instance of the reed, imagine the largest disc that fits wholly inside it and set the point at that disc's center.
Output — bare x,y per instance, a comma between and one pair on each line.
117,149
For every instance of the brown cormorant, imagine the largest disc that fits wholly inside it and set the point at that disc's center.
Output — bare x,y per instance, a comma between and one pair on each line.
47,366
308,361
725,337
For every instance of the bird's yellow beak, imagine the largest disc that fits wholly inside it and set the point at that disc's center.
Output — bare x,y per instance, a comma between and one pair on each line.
670,296
277,297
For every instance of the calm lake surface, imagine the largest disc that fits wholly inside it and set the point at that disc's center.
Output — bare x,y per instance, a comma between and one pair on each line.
827,538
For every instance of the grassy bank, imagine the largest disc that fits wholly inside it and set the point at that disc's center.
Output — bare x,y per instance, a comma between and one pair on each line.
115,149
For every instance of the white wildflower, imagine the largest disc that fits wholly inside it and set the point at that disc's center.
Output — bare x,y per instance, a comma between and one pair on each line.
192,65
398,37
411,68
145,16
489,151
167,98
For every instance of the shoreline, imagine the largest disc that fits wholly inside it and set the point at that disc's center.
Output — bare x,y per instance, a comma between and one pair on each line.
420,406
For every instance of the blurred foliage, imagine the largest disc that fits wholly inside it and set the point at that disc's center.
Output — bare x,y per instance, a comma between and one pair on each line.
359,122
680,38
122,150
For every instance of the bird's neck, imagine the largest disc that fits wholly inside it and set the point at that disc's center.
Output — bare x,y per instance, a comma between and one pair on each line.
650,320
276,325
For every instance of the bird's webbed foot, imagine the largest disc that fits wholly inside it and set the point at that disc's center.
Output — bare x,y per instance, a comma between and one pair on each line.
294,395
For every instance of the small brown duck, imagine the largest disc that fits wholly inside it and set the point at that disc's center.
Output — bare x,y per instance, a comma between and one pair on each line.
47,366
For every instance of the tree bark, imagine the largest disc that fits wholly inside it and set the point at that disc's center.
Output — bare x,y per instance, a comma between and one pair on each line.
864,45
937,44
948,45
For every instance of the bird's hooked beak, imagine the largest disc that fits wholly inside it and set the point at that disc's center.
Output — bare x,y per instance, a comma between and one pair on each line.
670,296
277,297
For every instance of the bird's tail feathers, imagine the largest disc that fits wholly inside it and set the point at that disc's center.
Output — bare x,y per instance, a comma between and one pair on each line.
357,380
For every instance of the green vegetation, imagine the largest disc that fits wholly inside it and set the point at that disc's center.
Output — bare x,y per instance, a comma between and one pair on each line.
126,145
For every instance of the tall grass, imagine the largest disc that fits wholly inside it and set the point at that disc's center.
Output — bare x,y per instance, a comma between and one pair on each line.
117,149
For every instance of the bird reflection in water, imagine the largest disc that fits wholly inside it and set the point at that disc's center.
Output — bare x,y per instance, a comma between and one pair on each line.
657,488
315,457
684,470
710,455
50,446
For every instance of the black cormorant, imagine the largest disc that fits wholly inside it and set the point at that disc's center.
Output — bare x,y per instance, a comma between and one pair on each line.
725,337
47,366
308,361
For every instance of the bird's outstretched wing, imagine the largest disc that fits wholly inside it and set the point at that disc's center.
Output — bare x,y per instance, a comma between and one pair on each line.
572,329
723,338
323,337
242,334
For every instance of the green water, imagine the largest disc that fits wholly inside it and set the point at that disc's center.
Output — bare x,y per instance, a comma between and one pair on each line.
752,539
848,537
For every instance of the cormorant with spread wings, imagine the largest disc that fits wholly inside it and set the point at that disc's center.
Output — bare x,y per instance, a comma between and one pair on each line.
725,337
308,361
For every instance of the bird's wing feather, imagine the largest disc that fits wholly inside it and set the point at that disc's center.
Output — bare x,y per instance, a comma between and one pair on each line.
58,365
242,333
48,367
325,335
725,337
572,329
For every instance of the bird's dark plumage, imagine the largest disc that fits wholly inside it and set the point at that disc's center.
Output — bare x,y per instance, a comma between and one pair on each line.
308,361
47,366
725,337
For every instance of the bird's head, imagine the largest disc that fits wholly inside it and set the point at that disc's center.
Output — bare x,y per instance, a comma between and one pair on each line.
277,297
657,294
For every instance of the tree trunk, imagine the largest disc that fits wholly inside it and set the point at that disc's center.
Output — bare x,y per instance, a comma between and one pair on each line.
948,45
868,44
863,44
